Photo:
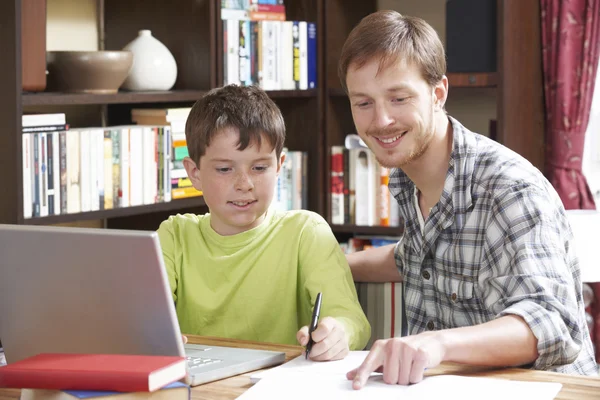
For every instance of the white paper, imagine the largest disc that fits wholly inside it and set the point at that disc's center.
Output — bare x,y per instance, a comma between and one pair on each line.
305,379
302,365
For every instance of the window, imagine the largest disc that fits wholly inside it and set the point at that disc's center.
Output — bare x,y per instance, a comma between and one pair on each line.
591,150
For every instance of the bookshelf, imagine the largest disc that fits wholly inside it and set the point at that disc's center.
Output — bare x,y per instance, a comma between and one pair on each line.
315,119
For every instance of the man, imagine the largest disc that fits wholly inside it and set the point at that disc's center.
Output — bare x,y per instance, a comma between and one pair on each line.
489,273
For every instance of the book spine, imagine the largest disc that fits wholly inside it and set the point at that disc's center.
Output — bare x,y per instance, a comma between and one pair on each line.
311,55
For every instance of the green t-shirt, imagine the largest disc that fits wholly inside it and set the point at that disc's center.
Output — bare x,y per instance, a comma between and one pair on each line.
260,284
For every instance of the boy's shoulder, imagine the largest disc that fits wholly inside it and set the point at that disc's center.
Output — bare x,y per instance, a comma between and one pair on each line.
182,221
298,217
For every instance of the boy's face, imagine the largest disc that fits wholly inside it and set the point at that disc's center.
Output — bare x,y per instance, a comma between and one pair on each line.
238,186
393,110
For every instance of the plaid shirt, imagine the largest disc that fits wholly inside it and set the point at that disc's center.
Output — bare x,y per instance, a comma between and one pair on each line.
497,243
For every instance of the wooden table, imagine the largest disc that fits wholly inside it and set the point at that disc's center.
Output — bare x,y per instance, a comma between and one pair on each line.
574,387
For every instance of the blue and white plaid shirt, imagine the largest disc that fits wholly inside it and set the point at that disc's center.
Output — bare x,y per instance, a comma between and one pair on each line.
497,243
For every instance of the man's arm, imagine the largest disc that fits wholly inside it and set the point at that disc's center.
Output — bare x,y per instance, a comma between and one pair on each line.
374,265
506,341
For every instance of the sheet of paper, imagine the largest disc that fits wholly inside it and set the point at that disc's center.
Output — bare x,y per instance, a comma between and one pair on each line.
304,386
302,379
302,365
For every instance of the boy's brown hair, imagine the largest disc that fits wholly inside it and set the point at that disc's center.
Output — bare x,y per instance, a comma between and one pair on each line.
247,108
391,37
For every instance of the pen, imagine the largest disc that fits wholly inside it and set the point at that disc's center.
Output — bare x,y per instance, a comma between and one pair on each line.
313,324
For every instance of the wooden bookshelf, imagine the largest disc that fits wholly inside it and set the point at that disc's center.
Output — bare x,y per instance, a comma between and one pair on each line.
315,119
517,80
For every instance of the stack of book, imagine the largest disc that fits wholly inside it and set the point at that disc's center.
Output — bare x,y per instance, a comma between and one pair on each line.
56,376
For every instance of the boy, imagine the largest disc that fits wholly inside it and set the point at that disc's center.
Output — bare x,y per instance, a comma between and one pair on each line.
243,270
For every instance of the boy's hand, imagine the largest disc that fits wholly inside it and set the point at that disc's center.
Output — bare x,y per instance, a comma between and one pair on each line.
330,340
184,338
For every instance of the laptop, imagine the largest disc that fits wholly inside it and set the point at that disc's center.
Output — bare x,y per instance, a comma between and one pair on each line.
88,290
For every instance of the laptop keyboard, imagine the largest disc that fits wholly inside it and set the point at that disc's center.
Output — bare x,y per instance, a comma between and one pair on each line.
198,362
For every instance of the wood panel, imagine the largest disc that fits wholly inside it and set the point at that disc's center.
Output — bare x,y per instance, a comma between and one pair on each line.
340,18
520,100
303,133
11,209
184,26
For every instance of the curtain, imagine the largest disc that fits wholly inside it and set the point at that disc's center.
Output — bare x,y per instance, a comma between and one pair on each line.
570,50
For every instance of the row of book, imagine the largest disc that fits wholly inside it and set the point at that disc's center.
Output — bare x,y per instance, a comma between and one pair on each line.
69,171
291,189
253,10
359,189
261,47
381,301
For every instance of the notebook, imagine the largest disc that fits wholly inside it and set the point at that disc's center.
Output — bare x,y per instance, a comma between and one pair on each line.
86,290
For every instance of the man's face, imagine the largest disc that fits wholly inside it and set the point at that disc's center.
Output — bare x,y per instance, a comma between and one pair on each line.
393,111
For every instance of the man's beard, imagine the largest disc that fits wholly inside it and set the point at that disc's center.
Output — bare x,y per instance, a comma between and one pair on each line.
422,139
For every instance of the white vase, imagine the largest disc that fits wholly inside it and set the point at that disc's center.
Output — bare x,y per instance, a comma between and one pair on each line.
154,67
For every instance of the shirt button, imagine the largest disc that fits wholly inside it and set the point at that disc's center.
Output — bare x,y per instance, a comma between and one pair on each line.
426,275
453,296
430,325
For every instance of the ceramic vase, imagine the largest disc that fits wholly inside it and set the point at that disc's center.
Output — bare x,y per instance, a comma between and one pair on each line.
154,67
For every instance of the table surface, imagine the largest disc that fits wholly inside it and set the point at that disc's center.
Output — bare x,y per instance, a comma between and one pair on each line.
574,387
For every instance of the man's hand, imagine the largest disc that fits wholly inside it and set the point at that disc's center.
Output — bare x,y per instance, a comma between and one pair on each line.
330,340
184,338
402,360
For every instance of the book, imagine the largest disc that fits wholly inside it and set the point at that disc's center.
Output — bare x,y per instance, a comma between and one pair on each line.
115,372
173,391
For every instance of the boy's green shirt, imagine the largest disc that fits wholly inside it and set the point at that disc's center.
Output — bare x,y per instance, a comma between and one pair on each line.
260,284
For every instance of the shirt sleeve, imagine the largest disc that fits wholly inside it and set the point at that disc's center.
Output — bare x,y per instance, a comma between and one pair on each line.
324,268
530,271
399,256
167,243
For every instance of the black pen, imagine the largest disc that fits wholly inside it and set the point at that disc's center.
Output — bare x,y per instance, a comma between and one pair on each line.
313,324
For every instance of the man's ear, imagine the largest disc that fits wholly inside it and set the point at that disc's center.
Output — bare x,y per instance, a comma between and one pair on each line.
280,163
440,92
193,172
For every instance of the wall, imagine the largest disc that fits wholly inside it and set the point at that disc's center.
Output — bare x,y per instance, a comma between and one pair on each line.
473,107
64,17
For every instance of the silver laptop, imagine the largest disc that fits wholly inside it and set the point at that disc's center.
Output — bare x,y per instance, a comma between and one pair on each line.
84,290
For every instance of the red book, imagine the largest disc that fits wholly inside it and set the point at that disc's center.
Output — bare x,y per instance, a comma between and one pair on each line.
116,372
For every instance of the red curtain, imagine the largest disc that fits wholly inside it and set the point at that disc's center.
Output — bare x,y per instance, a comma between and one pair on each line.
570,51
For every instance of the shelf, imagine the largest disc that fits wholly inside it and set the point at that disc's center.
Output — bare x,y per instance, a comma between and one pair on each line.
455,80
197,201
277,94
476,79
368,230
63,99
57,98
